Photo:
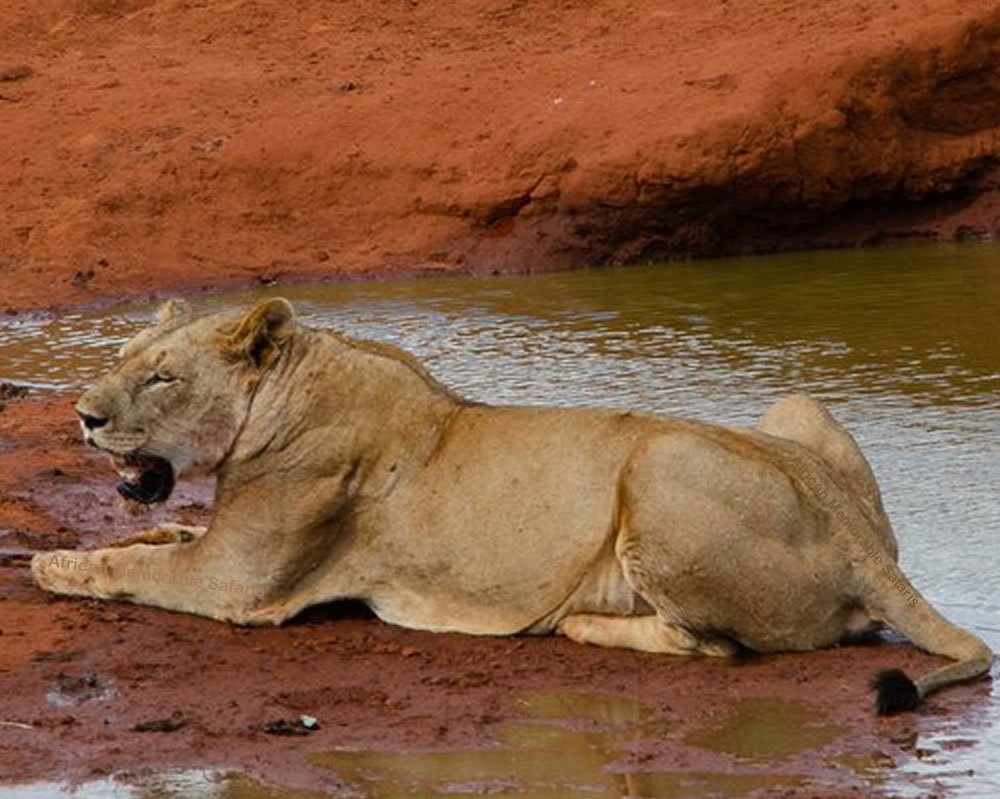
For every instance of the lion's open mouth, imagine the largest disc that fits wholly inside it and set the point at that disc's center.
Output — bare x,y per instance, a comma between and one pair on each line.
145,478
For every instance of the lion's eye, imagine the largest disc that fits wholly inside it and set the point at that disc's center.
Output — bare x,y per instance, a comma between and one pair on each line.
159,378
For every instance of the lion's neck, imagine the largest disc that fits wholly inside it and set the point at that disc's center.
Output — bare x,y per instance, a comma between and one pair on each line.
330,407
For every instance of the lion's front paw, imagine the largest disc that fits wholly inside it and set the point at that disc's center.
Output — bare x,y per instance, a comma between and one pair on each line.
63,571
39,572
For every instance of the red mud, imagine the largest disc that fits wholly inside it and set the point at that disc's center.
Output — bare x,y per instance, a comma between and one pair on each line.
172,144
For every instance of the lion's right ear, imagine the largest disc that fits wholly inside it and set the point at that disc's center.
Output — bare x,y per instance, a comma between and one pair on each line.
260,335
172,311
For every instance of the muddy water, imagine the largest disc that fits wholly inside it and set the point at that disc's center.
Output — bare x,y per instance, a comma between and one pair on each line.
570,746
903,345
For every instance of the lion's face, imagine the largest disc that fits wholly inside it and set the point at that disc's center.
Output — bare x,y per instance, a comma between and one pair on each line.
175,401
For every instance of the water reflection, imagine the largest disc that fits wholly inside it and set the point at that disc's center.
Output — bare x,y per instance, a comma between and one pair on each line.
764,730
921,323
168,784
573,747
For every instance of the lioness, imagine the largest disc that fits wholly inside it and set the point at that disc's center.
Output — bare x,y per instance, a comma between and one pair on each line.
345,470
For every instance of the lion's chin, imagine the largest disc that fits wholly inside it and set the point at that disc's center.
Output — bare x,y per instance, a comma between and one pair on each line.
147,479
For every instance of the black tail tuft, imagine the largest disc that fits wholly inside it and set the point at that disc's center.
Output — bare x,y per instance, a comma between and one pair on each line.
894,693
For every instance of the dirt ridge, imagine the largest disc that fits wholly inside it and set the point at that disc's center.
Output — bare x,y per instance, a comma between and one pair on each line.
907,140
174,144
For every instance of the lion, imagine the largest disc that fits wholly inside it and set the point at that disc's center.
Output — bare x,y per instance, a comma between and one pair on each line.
344,470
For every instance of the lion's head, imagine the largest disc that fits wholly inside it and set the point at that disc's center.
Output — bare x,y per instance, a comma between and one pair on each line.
180,393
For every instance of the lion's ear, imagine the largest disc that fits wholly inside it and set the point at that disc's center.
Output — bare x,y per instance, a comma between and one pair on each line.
259,336
172,311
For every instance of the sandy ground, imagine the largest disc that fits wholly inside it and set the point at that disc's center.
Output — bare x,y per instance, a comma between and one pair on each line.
164,144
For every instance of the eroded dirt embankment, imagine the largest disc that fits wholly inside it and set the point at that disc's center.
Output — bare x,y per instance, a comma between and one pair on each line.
153,144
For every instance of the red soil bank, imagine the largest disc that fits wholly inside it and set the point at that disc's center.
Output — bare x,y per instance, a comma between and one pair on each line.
164,144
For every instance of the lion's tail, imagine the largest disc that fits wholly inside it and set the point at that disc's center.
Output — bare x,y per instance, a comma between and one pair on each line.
913,616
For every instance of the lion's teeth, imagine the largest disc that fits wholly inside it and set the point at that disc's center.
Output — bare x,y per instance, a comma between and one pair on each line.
130,474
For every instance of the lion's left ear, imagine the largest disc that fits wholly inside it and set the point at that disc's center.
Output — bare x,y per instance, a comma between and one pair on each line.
259,336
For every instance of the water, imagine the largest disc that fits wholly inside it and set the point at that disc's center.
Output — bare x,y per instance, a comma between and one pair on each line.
903,345
571,748
763,730
150,784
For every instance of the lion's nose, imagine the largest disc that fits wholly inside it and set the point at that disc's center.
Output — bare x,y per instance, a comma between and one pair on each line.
91,422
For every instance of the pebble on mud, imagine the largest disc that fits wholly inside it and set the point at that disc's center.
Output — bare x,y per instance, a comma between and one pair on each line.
301,726
10,391
174,722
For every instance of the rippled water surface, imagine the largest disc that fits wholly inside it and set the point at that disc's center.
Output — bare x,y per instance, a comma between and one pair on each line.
903,345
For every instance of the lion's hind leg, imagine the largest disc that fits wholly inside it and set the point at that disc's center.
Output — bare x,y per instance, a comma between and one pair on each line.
712,535
643,633
807,422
